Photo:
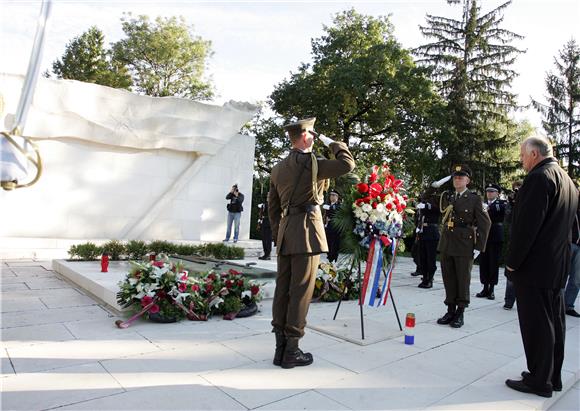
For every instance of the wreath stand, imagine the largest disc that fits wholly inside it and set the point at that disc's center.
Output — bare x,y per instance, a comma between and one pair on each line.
360,303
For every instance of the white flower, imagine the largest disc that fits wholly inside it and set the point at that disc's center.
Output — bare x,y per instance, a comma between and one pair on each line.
246,293
381,208
364,216
366,208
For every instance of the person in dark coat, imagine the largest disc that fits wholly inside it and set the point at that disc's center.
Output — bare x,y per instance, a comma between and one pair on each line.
573,285
464,234
332,234
489,259
265,230
538,262
294,200
428,235
510,294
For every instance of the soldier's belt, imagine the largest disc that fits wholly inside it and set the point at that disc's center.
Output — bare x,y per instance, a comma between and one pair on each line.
430,224
460,225
299,210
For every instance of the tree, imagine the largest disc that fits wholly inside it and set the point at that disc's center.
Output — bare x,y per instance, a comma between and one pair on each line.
470,60
164,57
364,89
86,59
561,115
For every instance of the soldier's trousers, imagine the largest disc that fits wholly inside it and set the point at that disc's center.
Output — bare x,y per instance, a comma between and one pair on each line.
456,271
294,288
428,254
489,263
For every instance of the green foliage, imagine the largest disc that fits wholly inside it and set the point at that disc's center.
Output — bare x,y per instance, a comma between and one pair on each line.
186,249
114,248
164,57
86,59
161,246
365,90
470,59
221,251
136,249
232,304
85,252
561,114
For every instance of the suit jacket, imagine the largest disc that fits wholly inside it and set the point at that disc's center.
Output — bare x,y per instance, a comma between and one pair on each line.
430,216
470,230
496,211
303,232
539,250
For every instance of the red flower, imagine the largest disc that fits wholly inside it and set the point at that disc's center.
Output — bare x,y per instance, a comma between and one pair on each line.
184,277
229,283
255,289
359,201
158,264
234,272
397,183
240,283
154,309
182,287
375,190
212,277
405,197
362,188
194,287
160,294
208,287
389,206
374,204
382,196
399,208
373,177
146,300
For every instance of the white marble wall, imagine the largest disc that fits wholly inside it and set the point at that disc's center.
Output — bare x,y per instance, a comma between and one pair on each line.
103,192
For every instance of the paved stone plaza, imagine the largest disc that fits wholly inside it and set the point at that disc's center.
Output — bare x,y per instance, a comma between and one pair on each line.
60,349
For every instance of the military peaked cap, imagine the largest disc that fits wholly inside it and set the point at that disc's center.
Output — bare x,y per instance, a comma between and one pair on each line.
461,170
493,187
300,125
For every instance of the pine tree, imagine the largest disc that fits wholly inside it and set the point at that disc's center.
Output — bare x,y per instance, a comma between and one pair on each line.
470,61
86,59
561,116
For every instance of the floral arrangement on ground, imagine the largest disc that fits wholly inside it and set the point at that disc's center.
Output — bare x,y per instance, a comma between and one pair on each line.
164,292
332,283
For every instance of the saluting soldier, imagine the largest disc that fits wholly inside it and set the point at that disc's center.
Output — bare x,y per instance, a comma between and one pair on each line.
465,229
296,193
489,259
428,235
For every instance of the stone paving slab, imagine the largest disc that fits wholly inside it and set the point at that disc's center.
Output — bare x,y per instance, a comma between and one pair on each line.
67,354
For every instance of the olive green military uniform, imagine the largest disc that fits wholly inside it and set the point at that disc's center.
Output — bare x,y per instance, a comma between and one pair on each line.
465,228
298,229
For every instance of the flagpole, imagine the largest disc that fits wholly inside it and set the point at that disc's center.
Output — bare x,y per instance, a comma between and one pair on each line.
360,304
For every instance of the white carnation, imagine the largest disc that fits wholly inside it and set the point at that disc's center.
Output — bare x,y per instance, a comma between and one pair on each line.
366,208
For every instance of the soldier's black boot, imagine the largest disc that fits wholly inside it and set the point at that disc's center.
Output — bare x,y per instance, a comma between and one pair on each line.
293,356
448,317
490,294
280,347
483,293
458,319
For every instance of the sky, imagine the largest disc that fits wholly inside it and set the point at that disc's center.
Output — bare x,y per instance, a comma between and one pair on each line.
257,44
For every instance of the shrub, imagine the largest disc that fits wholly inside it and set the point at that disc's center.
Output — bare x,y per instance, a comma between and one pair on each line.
159,246
115,249
186,249
85,252
222,251
135,249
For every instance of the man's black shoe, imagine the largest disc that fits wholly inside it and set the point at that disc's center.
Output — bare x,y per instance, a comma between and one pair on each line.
416,274
426,284
446,319
521,386
491,296
457,320
264,257
507,306
482,294
572,312
556,386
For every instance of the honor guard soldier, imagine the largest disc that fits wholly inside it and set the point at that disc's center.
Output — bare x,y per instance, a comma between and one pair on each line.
489,259
428,235
296,193
332,234
465,227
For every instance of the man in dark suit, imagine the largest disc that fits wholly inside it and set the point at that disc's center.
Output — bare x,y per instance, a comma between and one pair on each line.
465,228
265,230
332,234
538,261
428,235
489,259
296,193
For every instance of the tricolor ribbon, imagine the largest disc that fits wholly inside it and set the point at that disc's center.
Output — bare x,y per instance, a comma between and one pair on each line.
372,276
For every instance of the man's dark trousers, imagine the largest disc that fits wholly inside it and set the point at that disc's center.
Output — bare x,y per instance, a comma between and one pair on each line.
543,333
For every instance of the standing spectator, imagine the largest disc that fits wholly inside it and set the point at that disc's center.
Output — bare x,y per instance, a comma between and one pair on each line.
416,247
489,259
332,234
574,277
538,262
464,232
510,294
265,230
234,212
428,235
